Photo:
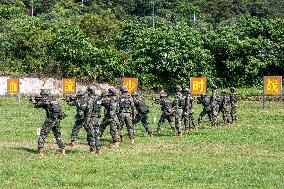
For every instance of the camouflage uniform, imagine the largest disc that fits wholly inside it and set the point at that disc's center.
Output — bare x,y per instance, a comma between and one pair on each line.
187,111
205,101
225,107
233,102
215,101
178,105
142,112
92,129
126,113
81,105
84,118
52,122
167,112
110,117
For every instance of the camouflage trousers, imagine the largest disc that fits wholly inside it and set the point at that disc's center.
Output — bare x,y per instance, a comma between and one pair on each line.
225,115
48,125
234,116
203,114
95,130
188,121
113,122
163,118
214,115
126,118
92,134
143,117
76,128
178,120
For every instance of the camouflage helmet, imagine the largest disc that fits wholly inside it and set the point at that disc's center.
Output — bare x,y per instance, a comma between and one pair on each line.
45,92
233,89
214,87
80,93
124,89
178,88
135,94
112,92
91,88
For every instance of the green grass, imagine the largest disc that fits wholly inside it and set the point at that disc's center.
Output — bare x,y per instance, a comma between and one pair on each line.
249,154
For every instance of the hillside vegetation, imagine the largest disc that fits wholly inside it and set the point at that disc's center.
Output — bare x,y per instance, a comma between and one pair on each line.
232,42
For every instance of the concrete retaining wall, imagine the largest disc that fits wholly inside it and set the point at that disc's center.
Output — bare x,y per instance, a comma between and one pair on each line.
29,86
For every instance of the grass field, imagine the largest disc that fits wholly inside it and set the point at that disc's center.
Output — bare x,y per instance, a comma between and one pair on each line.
249,154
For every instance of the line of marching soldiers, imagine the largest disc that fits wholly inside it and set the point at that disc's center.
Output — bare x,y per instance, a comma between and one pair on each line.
180,110
127,110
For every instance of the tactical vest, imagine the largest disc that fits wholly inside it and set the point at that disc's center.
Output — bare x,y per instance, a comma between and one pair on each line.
81,105
110,107
125,103
188,103
233,100
96,107
206,104
54,109
167,107
224,102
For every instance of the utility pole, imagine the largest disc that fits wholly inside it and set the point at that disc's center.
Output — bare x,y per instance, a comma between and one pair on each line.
153,14
32,12
32,9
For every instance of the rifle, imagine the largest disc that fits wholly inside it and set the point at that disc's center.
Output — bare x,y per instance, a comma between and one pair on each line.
35,99
69,99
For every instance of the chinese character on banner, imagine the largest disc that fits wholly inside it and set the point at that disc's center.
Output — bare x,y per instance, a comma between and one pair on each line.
198,85
131,84
272,85
69,85
13,86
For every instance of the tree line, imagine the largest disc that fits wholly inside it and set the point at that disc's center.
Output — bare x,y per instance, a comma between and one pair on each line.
231,42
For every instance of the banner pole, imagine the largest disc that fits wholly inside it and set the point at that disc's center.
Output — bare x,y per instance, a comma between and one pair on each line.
19,94
263,95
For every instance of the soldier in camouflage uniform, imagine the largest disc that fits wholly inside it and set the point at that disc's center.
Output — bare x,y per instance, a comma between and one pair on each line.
205,101
178,105
215,101
84,110
167,112
91,125
126,113
52,122
233,102
102,99
110,117
81,105
142,112
225,107
187,111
